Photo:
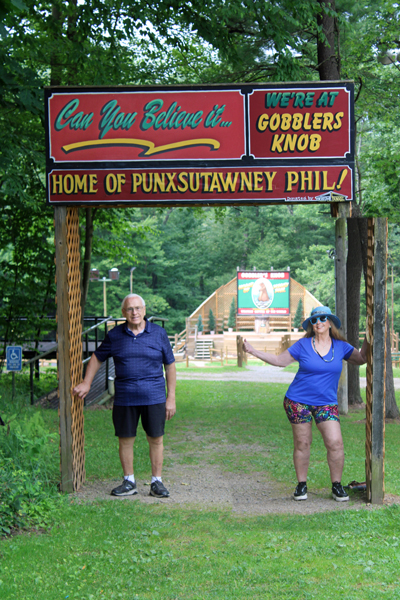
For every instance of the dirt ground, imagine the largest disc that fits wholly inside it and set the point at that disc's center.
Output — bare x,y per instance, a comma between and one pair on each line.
207,486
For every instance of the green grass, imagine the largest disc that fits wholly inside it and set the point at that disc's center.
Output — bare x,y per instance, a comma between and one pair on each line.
215,364
129,550
126,549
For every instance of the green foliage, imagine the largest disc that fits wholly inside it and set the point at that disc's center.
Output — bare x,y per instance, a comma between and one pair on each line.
232,315
47,382
28,454
317,273
298,317
211,321
199,324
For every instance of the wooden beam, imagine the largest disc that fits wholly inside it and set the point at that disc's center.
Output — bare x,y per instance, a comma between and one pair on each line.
379,362
64,362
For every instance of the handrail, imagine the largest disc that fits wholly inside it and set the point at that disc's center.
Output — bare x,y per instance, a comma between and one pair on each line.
162,319
97,325
39,356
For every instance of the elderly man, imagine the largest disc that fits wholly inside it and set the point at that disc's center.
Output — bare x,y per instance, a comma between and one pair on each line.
139,349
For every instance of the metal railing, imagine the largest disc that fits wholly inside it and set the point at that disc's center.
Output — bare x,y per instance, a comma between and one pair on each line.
87,350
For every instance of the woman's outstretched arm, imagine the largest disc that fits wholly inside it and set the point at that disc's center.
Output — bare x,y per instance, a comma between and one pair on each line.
282,360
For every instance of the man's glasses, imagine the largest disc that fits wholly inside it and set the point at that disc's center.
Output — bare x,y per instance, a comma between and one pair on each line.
133,309
314,320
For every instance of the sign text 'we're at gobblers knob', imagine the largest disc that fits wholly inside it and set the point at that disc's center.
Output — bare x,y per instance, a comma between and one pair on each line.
236,144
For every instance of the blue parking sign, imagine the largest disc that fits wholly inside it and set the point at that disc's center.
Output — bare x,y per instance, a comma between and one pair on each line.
14,358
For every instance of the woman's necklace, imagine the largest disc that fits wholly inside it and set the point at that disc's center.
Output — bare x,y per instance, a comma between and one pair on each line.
333,351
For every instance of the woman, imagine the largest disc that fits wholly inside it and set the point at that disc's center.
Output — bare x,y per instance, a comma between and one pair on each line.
313,393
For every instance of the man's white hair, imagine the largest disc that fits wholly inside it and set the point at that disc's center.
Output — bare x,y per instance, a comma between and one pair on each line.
132,296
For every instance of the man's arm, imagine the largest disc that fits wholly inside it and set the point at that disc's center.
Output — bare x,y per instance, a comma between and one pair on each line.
82,389
170,375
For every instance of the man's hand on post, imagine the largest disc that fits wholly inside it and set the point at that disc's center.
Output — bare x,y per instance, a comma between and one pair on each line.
81,390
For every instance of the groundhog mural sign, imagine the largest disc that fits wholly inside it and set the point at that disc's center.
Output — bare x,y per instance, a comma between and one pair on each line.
263,293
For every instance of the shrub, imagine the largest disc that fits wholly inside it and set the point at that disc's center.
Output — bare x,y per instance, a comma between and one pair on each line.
211,321
28,473
232,314
199,324
298,317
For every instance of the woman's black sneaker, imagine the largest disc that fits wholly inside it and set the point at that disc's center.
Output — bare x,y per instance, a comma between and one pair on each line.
338,492
300,493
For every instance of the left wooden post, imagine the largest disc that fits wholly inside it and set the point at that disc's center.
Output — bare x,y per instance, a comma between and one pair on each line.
69,337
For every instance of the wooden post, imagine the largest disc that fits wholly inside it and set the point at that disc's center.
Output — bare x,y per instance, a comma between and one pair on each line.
64,381
69,337
379,362
187,360
341,298
239,349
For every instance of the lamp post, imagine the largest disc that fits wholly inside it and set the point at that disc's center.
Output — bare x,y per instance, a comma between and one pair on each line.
131,282
113,275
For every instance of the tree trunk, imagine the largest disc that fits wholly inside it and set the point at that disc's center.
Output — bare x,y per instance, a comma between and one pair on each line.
328,63
391,408
353,281
90,215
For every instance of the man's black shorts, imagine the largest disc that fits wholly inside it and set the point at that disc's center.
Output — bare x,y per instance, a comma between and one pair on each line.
126,419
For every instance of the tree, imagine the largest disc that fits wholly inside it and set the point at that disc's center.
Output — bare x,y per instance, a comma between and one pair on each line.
68,43
299,316
232,315
211,321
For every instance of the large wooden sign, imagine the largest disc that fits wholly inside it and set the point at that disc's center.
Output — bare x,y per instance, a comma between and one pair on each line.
180,146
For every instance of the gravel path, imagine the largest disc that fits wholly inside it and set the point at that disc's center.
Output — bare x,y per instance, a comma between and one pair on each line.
208,487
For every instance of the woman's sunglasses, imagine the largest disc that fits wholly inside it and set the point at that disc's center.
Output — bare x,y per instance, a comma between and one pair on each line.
314,320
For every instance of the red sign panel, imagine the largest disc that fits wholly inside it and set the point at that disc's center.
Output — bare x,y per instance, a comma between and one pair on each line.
216,144
146,126
300,123
166,186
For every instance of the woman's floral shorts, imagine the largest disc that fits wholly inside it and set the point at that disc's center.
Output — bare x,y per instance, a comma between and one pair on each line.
303,413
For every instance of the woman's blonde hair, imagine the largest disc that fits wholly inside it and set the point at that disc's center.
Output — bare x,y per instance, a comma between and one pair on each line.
333,332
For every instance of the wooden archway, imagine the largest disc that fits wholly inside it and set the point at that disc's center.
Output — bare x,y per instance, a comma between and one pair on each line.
70,352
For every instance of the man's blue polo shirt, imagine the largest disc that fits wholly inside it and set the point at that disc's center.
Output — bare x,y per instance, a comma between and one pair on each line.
138,360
